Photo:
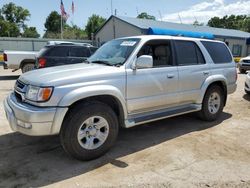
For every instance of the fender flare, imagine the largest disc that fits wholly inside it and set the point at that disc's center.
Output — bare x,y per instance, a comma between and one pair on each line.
93,91
210,80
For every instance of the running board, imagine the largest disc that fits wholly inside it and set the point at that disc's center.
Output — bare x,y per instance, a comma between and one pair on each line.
138,119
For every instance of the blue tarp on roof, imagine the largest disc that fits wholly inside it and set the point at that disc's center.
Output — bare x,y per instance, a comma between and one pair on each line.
171,32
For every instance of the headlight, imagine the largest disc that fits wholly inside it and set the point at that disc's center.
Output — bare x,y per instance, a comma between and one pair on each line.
38,94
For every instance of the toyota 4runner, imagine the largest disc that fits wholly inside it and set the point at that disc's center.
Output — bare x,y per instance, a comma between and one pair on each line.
127,82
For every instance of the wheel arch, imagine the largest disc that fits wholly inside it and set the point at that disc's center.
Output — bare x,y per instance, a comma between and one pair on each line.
219,81
25,61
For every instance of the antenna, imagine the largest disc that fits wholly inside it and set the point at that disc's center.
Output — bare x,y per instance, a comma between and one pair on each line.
180,18
160,14
116,12
137,11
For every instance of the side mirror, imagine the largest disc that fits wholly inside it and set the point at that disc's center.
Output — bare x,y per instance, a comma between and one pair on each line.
144,61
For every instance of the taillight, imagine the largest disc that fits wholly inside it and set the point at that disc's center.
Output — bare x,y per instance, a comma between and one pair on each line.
5,58
41,62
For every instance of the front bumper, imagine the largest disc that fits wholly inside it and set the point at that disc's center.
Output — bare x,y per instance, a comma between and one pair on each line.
31,120
247,83
244,66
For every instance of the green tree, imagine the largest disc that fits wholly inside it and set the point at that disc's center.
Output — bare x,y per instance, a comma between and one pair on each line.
15,14
8,29
196,23
239,22
53,24
30,32
74,32
93,24
145,15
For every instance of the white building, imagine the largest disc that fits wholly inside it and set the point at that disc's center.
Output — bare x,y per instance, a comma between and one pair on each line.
116,27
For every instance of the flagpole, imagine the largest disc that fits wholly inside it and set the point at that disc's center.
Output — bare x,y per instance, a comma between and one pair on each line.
61,26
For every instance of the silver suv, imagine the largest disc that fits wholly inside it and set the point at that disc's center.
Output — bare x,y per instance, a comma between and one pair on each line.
127,82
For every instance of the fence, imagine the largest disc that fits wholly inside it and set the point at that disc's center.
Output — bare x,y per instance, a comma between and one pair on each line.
29,44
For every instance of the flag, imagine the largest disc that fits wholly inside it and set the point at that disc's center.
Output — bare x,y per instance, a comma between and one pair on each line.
63,12
73,7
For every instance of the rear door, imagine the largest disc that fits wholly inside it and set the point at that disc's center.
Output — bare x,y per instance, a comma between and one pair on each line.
193,70
78,54
57,55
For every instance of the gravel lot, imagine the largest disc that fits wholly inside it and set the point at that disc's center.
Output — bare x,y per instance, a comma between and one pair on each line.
176,152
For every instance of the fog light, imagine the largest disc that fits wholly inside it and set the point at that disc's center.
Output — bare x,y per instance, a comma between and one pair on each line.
24,124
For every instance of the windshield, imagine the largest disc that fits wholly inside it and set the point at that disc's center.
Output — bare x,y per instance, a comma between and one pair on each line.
114,52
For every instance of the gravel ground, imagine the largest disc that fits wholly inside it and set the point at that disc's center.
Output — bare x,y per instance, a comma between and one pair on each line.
176,152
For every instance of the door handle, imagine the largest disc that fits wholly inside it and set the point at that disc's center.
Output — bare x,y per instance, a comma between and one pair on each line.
170,75
206,73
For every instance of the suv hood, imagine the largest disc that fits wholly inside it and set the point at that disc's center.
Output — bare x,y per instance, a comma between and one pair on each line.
68,74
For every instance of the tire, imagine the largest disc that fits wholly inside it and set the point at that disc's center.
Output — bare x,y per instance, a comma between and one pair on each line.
242,71
247,92
213,111
28,67
81,142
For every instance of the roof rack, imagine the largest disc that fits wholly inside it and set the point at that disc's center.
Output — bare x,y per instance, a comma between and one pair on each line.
68,43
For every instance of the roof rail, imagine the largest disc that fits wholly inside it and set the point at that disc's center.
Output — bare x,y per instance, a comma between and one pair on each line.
68,43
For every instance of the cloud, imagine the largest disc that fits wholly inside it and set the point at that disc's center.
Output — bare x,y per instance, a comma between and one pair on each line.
205,10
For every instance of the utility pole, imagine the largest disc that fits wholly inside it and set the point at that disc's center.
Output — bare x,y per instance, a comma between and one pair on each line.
137,11
111,6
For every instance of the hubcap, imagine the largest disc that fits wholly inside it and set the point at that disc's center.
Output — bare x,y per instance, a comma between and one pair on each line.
214,103
93,132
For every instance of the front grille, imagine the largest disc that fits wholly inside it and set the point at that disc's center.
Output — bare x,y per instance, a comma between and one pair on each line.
246,61
20,85
18,96
246,86
246,65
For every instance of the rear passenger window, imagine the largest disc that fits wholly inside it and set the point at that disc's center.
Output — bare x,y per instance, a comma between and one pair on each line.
218,52
79,52
59,51
188,53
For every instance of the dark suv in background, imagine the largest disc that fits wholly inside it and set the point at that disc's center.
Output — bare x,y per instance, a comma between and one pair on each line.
57,54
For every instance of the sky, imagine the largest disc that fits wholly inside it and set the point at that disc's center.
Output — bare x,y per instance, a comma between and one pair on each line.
165,10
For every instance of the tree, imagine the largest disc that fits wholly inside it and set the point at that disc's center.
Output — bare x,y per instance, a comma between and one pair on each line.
8,29
74,32
30,32
93,24
145,15
15,14
53,23
196,23
239,22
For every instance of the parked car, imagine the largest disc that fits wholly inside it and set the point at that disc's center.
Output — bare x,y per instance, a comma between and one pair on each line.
244,64
58,53
127,82
24,60
247,84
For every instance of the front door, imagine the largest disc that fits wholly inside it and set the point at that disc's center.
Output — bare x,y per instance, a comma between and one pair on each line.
153,88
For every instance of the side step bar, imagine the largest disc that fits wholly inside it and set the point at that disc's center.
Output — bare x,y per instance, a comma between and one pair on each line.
138,119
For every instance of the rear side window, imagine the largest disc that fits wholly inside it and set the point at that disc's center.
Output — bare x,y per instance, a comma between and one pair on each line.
79,52
59,51
188,53
218,52
93,49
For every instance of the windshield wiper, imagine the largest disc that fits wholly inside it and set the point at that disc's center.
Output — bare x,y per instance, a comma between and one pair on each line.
102,62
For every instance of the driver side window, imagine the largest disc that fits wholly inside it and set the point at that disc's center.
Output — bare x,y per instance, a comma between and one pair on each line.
160,50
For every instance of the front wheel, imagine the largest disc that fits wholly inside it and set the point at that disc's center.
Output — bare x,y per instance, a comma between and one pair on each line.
213,104
242,71
89,130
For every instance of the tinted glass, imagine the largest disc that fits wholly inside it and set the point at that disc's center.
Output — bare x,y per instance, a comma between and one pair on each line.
186,53
201,59
59,51
79,52
160,50
43,51
218,52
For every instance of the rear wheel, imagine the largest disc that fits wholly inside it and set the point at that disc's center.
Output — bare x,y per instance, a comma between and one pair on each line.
213,104
28,67
242,71
89,130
